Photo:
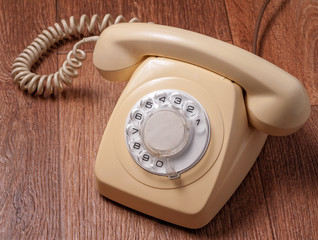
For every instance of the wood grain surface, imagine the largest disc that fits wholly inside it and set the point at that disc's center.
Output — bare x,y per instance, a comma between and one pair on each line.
48,146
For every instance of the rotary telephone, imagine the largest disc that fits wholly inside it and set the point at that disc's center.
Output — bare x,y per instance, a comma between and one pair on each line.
191,121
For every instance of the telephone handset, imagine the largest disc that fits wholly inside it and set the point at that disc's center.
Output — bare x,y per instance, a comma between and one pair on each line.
277,103
183,134
191,121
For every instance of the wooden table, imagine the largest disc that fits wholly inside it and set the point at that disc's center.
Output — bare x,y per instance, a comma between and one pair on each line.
48,146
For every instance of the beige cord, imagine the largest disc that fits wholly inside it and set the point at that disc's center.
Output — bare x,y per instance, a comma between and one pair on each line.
53,83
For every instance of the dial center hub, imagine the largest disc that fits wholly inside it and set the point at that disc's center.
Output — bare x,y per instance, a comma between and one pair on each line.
165,132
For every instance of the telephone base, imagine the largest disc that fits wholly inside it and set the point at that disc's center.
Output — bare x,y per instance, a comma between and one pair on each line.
120,187
195,198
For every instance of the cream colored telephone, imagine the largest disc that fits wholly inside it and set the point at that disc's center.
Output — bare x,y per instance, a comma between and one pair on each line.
191,121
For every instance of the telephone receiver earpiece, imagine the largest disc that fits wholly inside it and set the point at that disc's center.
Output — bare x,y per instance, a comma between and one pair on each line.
276,102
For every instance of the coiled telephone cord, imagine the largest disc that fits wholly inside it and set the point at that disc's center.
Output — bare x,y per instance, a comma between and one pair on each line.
53,83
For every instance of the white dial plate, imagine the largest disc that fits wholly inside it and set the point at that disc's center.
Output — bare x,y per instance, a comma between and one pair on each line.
167,132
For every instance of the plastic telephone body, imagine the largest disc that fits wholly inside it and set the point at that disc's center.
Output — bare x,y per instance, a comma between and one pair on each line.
193,199
198,66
